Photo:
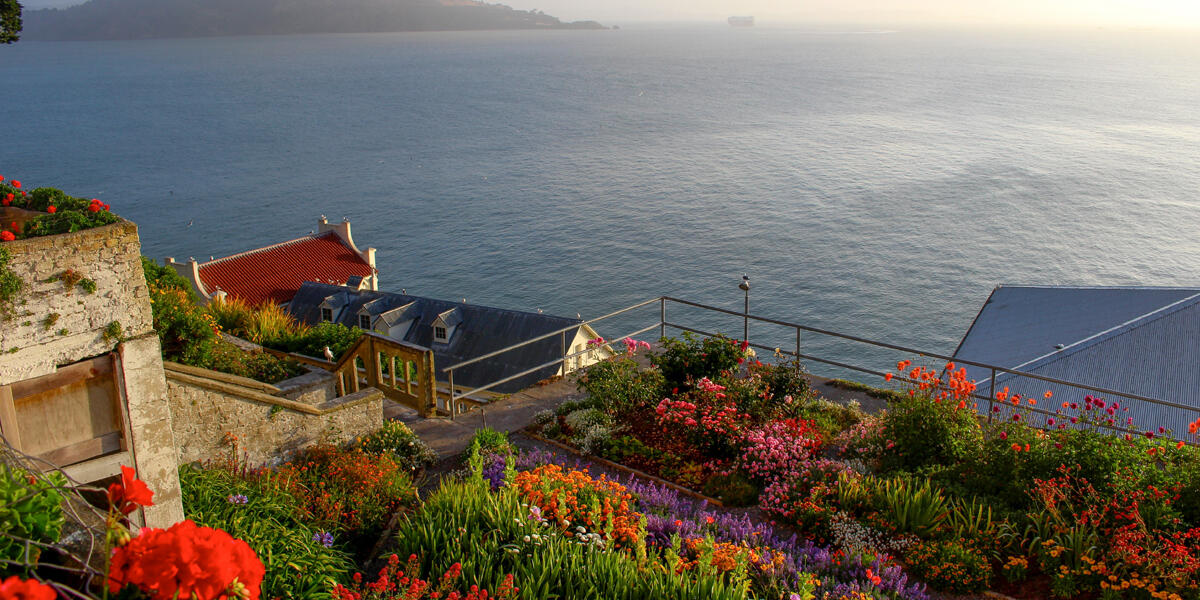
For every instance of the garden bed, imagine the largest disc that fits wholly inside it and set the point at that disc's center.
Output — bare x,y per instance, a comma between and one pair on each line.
1034,506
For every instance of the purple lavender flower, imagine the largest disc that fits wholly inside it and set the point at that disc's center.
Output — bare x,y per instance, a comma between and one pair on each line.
493,469
324,538
238,499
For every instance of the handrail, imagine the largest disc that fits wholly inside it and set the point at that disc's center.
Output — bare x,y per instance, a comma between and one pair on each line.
662,323
997,368
544,336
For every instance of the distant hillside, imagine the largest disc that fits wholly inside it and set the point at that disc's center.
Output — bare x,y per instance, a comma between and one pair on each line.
140,19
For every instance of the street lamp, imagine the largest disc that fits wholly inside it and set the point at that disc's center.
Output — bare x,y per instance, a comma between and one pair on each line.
745,287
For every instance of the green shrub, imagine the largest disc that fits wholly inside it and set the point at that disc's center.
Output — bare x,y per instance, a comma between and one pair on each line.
494,534
692,359
299,566
315,339
396,440
68,222
620,386
950,566
166,278
487,440
30,509
927,432
784,379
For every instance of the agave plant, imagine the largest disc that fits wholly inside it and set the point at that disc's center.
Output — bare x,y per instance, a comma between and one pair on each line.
917,508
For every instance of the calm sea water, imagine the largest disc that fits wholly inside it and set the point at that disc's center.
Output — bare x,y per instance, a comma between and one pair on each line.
876,183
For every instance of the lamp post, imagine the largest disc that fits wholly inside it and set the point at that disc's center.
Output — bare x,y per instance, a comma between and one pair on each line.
745,287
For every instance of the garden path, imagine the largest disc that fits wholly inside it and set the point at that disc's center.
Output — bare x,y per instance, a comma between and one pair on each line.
513,413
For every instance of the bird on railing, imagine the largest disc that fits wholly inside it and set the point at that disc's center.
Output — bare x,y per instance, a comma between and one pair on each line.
328,354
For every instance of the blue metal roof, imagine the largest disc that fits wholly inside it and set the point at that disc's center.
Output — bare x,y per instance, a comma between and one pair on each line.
1143,341
481,329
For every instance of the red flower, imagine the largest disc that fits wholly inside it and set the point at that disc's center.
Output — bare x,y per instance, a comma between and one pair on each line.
52,209
130,493
16,184
7,236
887,376
187,561
15,588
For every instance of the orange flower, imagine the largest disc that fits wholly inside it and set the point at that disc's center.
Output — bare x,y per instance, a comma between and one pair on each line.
1016,447
950,366
1180,445
1048,394
962,403
902,365
1032,402
887,376
1027,447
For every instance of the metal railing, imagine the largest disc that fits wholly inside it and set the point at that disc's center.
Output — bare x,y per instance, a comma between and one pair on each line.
662,324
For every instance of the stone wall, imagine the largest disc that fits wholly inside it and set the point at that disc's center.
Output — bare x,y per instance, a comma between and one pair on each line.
210,409
55,324
84,295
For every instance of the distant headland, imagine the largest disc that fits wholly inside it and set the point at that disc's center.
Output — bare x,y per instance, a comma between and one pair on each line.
143,19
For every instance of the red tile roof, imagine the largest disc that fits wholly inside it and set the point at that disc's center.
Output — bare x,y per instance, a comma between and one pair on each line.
275,273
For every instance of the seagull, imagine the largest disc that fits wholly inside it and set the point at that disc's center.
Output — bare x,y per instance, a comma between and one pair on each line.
190,222
328,354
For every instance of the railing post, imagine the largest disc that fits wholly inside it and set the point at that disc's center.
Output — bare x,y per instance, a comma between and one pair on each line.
563,343
797,349
992,395
449,404
662,318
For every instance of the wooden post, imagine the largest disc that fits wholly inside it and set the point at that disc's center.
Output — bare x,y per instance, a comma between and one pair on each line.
372,366
8,417
429,384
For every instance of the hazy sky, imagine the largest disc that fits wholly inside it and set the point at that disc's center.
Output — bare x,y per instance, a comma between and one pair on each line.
1087,13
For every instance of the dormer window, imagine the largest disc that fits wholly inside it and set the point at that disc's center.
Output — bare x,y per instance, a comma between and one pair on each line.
327,314
439,334
364,321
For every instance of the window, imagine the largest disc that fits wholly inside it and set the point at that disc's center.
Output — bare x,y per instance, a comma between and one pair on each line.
439,333
327,314
364,321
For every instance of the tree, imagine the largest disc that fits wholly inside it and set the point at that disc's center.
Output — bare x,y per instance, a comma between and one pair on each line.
10,21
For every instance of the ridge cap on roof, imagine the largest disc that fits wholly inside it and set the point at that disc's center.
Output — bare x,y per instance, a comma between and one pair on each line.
1165,288
456,304
304,238
1113,332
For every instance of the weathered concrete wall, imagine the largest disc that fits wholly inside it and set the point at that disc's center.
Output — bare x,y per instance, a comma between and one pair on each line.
53,324
58,319
210,409
151,430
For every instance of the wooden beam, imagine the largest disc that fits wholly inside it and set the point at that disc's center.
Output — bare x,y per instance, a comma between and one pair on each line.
64,376
85,450
99,468
8,417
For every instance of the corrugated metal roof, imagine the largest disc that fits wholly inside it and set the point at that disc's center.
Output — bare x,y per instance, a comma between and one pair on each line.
482,329
274,274
1135,340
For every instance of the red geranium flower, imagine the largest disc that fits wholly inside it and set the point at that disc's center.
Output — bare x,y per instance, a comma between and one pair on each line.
15,588
130,493
52,209
187,561
7,236
16,184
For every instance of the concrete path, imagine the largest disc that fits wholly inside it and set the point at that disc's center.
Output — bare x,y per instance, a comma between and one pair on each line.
513,413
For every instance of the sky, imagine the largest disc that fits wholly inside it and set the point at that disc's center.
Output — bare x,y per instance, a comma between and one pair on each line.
1034,13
